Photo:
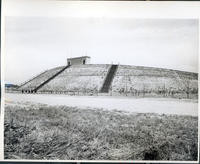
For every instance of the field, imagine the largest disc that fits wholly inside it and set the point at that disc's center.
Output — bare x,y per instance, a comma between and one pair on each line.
39,131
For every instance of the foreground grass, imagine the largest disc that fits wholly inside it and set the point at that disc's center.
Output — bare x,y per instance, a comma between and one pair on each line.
61,132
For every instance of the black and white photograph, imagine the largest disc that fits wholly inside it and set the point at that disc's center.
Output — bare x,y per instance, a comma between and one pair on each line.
93,82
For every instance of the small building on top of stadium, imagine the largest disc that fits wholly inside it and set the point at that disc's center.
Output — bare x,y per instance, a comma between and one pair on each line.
78,60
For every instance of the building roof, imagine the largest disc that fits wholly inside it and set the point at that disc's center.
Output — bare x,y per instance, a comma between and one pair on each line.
79,57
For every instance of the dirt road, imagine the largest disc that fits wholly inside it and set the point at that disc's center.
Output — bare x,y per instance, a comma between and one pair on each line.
127,104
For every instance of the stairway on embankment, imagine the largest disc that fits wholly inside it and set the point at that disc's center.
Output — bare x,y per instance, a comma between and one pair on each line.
51,78
109,78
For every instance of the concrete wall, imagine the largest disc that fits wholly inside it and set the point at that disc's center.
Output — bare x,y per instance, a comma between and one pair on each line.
77,61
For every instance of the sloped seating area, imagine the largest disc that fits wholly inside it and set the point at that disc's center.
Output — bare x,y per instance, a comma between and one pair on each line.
82,78
127,79
127,70
86,70
40,79
143,79
143,82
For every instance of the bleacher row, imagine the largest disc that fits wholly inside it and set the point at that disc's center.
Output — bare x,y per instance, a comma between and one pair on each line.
40,79
90,78
151,83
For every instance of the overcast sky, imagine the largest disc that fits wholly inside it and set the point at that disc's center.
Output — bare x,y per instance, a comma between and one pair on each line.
36,43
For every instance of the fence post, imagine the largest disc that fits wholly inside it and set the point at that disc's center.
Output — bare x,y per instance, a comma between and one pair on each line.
143,90
164,90
188,90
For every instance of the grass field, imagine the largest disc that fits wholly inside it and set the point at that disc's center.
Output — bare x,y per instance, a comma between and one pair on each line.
37,131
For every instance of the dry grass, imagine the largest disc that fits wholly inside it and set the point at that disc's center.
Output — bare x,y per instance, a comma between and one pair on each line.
61,132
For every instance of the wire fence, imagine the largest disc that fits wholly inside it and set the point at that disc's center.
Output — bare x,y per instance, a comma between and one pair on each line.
188,93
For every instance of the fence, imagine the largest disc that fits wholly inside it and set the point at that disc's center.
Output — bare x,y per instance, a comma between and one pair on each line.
165,93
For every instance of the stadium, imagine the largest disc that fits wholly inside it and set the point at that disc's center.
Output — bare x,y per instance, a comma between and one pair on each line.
79,77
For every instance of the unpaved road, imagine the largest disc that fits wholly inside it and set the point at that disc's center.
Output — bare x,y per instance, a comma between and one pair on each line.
127,104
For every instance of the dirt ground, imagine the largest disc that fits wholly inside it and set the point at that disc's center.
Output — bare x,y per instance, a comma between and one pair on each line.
127,104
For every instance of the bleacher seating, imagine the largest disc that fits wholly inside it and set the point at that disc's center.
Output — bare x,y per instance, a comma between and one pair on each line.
91,77
130,78
83,78
40,79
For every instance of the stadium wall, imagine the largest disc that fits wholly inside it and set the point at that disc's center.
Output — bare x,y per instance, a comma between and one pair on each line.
128,81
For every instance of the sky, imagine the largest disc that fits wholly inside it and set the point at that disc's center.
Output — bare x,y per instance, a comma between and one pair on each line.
36,42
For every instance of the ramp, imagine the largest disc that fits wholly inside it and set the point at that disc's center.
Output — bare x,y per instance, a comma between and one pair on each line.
109,78
52,77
